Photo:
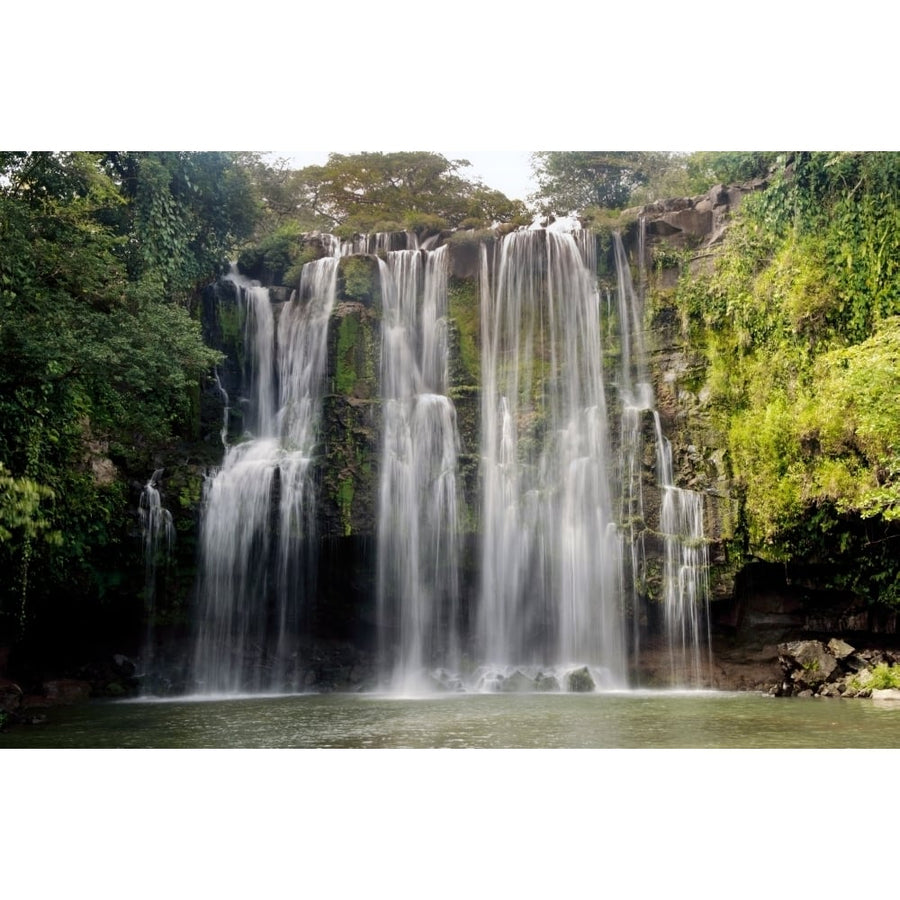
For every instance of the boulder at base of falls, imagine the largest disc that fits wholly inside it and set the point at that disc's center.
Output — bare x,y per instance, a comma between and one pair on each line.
580,681
518,682
546,682
806,663
840,649
886,694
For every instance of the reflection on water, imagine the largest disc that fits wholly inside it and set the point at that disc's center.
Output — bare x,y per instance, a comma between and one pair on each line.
633,719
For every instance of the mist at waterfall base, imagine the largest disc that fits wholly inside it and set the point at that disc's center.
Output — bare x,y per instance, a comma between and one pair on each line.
560,552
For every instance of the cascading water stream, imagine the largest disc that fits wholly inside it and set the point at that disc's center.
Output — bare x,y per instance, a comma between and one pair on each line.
258,521
686,555
551,560
158,539
418,542
559,512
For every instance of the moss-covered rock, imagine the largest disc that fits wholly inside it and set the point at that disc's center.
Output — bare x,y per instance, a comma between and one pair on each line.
580,681
349,466
359,280
544,682
464,308
354,351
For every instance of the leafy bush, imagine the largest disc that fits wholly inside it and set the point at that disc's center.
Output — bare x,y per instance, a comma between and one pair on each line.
884,676
801,324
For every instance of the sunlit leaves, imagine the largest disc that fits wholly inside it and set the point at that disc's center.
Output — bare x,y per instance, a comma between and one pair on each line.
800,322
20,506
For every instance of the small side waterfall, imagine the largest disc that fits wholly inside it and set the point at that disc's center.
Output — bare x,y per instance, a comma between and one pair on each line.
680,527
418,499
258,522
158,539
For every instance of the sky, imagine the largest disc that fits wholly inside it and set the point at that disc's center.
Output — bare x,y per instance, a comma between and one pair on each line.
507,171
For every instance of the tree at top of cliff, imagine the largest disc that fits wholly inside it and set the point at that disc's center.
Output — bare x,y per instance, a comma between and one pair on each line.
578,180
573,180
368,192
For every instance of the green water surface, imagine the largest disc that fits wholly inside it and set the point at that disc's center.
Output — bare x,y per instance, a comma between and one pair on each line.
604,720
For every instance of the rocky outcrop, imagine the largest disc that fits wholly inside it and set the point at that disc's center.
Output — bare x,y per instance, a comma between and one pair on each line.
580,681
836,669
693,222
10,696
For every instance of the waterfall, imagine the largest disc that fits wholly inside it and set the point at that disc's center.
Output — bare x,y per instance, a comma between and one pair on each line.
567,485
418,548
381,242
158,539
258,518
685,590
551,559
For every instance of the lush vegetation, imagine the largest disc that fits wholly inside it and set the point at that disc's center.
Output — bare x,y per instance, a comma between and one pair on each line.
371,192
102,359
362,193
588,181
100,356
801,321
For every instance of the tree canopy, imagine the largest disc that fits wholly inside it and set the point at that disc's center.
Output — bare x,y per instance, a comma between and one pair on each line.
368,192
100,357
578,180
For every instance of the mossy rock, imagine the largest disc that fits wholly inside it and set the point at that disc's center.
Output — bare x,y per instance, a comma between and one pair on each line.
354,350
359,280
464,308
580,681
518,683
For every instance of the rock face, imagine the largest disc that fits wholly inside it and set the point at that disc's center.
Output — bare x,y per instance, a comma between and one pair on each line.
518,682
808,663
812,668
580,681
67,691
10,695
891,694
689,222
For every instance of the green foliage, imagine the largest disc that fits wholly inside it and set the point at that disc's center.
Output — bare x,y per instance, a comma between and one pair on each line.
20,506
183,214
370,192
585,180
707,168
100,359
884,676
572,181
801,329
348,335
358,280
279,256
881,677
465,310
345,503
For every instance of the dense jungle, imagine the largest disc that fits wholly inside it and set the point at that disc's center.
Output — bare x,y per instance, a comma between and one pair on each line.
783,404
